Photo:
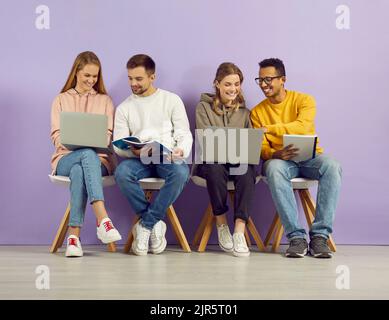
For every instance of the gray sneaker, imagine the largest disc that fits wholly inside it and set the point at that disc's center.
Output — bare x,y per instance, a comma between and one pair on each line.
298,248
318,248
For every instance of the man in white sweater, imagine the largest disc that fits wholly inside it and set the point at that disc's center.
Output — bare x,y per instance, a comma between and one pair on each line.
151,114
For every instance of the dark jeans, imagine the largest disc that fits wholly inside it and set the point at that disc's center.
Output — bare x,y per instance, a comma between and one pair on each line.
217,176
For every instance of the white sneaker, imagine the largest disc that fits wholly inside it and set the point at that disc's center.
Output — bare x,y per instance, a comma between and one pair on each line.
140,245
157,238
73,248
240,245
106,232
225,238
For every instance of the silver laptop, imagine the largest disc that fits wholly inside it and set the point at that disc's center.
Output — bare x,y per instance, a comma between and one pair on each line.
230,145
80,130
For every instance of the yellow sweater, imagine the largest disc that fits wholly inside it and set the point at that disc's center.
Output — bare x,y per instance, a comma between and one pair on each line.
294,115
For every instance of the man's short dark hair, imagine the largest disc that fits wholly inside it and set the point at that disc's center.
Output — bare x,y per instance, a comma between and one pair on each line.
142,60
274,62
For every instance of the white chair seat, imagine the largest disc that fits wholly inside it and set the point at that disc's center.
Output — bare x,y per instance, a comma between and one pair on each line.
65,181
201,182
146,183
152,183
303,183
299,183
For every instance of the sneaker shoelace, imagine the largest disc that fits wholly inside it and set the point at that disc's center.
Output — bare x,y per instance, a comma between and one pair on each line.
240,242
320,242
300,243
156,233
224,234
72,242
108,226
143,238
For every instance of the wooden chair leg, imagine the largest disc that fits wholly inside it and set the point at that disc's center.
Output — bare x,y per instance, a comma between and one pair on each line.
61,232
200,229
278,235
111,247
331,244
130,238
254,232
207,233
180,235
309,214
148,195
310,210
272,229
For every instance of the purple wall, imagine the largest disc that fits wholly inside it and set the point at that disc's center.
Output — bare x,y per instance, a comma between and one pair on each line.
344,69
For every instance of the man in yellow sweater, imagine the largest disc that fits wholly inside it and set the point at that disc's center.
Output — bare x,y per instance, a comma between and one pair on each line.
290,112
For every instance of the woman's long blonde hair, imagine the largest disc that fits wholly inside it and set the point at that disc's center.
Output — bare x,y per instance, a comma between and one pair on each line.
84,58
224,70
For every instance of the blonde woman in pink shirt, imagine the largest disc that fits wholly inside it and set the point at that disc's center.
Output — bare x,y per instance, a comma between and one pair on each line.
84,91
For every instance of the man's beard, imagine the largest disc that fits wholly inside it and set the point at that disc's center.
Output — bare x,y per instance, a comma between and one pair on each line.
139,91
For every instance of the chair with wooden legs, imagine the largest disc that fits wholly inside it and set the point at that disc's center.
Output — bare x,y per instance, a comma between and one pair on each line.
63,227
301,187
207,223
149,185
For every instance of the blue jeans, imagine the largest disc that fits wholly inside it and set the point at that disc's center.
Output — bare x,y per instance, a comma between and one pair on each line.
127,176
322,168
85,170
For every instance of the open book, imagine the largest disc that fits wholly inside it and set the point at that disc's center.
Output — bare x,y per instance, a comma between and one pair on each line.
305,143
133,141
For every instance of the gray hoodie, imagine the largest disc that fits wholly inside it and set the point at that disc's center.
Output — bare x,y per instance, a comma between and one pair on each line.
207,117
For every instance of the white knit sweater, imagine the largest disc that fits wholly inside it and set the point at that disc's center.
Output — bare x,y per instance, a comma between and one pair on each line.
160,116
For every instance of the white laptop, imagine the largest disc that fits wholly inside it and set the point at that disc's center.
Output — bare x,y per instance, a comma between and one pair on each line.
80,130
230,145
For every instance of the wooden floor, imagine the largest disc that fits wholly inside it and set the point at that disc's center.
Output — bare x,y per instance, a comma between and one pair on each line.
177,275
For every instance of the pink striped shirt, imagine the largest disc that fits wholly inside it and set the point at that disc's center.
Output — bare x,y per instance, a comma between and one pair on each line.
91,102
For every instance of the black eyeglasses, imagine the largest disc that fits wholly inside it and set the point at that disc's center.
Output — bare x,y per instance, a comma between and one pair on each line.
268,80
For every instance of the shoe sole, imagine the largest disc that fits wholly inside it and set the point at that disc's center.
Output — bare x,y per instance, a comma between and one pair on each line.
296,255
321,255
73,255
162,247
240,254
138,253
109,240
225,249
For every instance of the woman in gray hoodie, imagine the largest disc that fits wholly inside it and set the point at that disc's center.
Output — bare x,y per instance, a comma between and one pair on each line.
226,108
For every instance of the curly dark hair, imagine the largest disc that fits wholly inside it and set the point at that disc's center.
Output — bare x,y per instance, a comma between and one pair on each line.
274,62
